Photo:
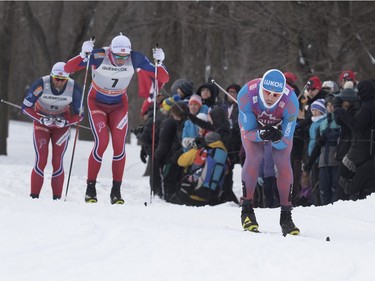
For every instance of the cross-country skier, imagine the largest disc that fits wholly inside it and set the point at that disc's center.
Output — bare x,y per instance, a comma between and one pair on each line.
268,110
107,101
48,103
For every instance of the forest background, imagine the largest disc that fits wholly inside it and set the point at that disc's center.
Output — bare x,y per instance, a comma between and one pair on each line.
233,42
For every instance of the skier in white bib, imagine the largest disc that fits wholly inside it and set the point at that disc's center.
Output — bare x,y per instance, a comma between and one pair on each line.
112,69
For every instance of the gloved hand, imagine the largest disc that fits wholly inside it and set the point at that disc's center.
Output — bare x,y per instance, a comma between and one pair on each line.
143,155
187,143
322,140
87,48
47,121
337,102
270,133
306,167
199,142
158,55
338,113
60,122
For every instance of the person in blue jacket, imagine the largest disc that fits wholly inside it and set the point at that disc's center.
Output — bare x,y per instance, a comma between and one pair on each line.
268,110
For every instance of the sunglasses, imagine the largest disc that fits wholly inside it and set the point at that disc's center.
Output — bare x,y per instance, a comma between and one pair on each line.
59,78
118,57
311,89
273,94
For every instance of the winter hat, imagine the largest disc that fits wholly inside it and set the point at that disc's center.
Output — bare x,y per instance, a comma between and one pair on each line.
348,95
58,70
347,75
211,137
186,88
319,105
167,103
195,99
121,45
290,77
273,81
366,89
331,85
176,84
314,83
235,87
202,116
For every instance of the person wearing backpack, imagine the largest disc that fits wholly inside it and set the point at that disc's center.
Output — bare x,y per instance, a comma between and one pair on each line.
205,165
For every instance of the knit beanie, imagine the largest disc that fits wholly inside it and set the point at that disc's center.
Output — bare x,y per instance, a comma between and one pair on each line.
319,105
348,94
211,137
195,99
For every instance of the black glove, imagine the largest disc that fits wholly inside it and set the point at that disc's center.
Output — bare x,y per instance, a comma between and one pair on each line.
338,113
322,140
270,133
199,142
306,167
337,102
143,155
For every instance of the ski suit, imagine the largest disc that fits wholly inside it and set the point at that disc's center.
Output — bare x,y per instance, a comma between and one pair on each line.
251,112
107,103
42,99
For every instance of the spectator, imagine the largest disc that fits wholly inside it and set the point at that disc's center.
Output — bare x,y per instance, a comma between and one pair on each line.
357,176
311,167
209,93
170,148
205,167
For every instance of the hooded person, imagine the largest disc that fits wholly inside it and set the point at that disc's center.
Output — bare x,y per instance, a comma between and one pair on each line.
112,68
209,93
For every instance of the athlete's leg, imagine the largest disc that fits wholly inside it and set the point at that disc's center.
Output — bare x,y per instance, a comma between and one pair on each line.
118,124
59,145
250,170
41,138
284,174
98,123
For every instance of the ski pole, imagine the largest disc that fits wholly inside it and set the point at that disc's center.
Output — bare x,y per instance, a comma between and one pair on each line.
79,121
11,104
156,91
19,107
211,80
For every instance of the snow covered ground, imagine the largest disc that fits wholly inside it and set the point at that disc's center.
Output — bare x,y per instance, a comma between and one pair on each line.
71,240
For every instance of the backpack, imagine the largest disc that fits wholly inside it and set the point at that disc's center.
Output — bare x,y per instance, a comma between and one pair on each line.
214,168
204,183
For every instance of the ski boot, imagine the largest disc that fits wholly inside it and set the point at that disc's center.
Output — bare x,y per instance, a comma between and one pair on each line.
115,193
286,222
34,196
90,196
248,219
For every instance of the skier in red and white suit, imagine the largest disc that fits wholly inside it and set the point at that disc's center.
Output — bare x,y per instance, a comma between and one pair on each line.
112,69
48,103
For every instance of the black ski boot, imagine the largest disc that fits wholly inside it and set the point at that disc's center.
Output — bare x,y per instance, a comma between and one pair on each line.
248,219
286,222
90,196
56,197
34,196
116,194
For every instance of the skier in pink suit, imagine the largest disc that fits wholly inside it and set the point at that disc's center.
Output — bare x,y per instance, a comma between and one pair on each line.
112,69
268,110
48,102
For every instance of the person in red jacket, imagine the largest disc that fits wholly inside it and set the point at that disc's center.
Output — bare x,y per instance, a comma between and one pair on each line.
112,69
48,103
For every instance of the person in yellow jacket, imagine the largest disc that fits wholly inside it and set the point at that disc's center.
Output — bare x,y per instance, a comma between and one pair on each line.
205,165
